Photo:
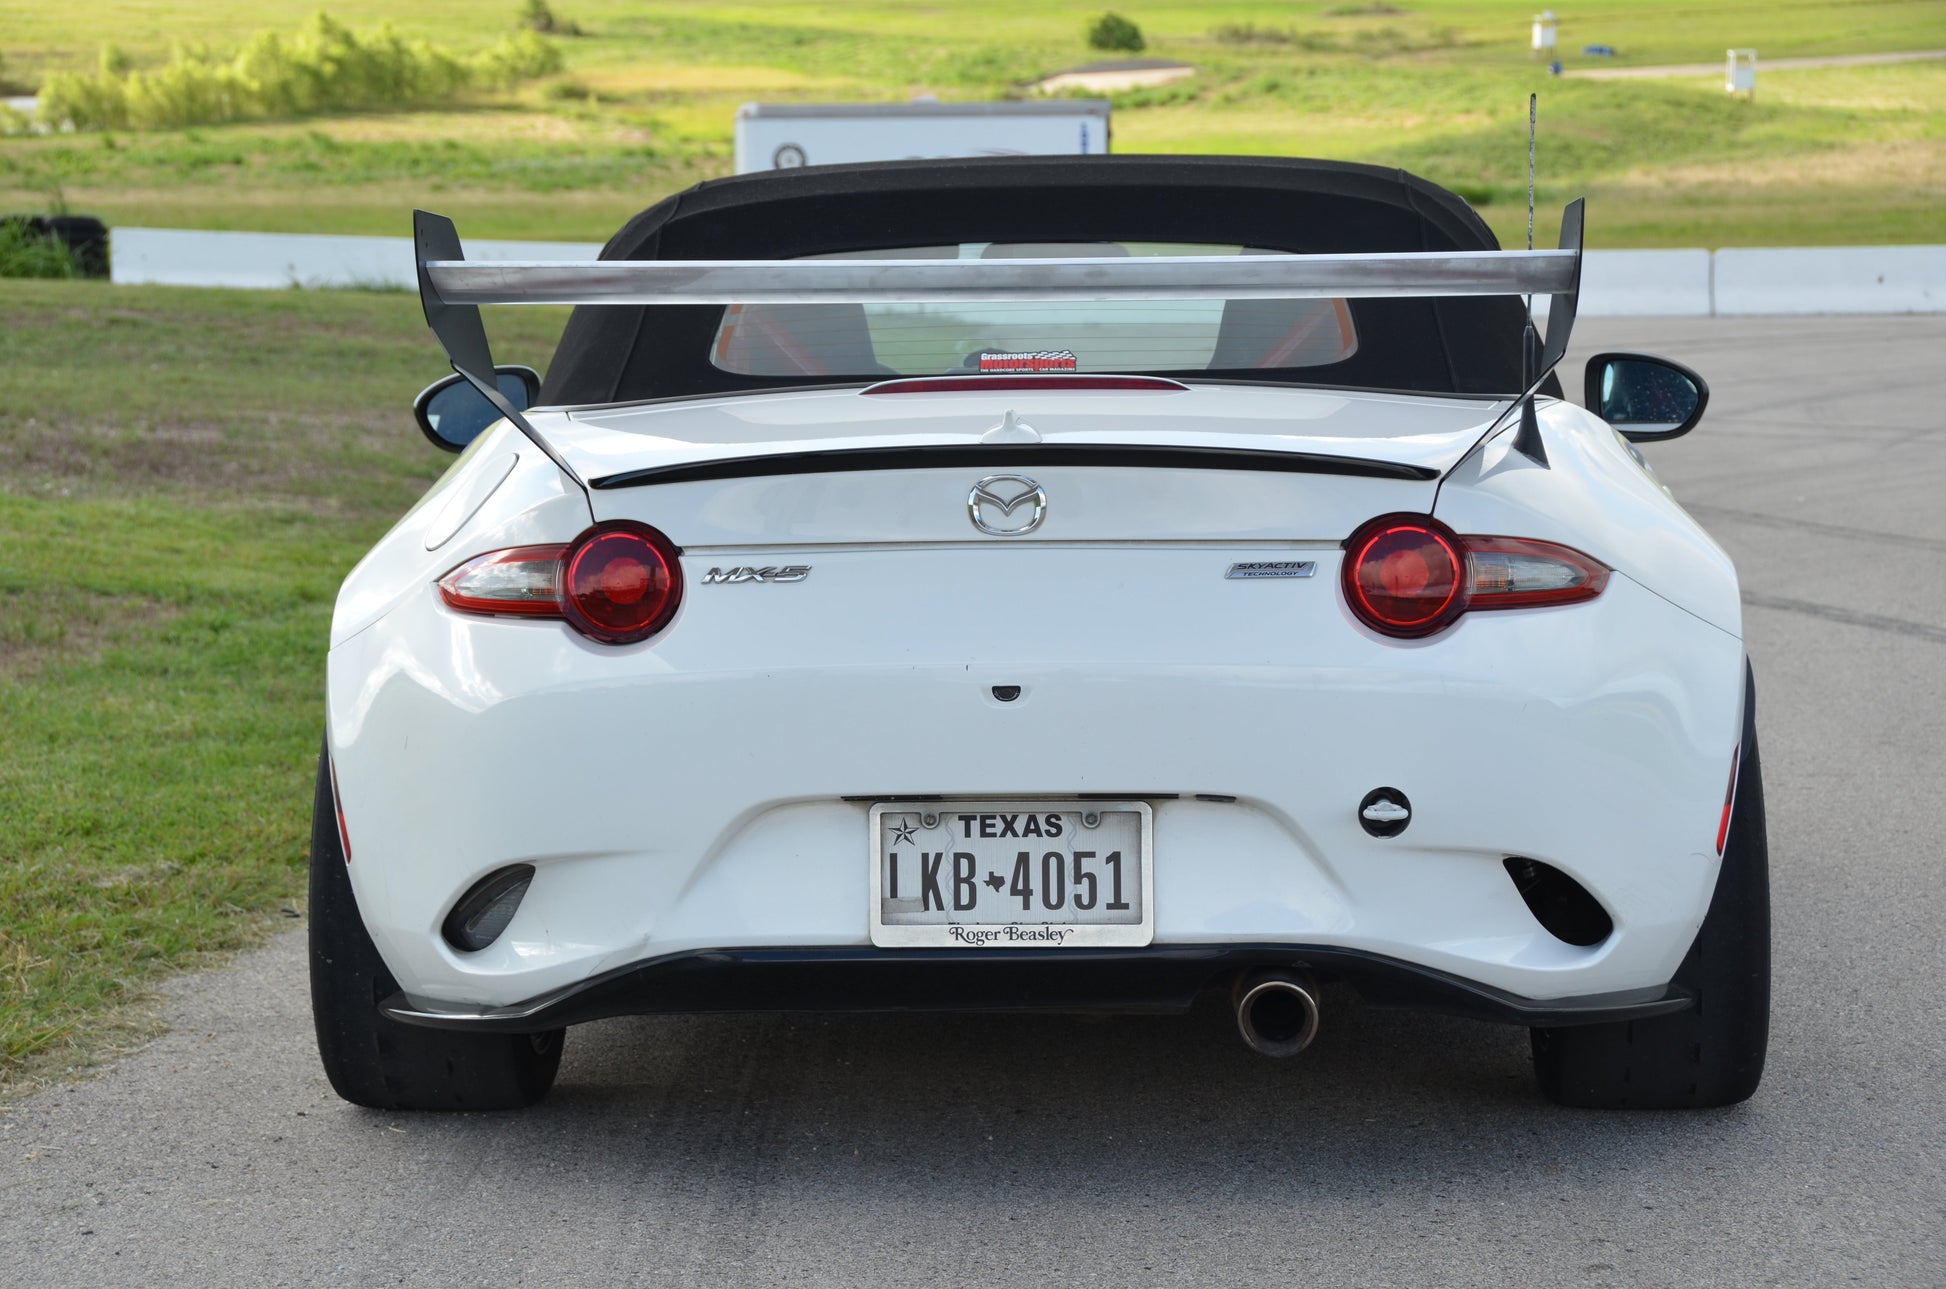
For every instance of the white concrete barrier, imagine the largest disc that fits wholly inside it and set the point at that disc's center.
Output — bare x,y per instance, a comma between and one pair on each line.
1645,284
182,257
1614,284
1831,279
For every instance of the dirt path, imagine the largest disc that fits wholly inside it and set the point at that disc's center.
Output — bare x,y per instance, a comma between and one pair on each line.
1763,64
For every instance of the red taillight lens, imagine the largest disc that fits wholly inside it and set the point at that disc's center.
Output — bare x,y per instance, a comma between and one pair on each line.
344,830
1729,801
618,582
524,582
621,583
1410,575
1402,575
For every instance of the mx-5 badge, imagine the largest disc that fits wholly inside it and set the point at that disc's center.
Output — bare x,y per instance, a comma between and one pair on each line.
731,576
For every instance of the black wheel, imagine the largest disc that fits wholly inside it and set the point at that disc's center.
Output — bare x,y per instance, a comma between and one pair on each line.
373,1060
1713,1053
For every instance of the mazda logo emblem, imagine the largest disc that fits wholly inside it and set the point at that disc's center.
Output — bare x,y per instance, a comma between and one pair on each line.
1007,505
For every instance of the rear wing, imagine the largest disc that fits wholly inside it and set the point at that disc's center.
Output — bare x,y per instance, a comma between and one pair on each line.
452,289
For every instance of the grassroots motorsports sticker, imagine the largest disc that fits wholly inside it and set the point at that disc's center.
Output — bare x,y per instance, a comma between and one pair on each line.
1044,360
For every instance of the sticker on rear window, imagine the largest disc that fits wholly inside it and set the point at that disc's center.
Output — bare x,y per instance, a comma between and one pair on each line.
1042,360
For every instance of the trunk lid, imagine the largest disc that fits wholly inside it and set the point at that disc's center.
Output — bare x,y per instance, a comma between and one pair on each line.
1203,463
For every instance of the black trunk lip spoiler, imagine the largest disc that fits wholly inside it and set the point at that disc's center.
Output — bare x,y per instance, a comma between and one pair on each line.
992,457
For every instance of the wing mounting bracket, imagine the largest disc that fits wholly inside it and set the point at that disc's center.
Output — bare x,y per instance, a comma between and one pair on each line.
462,334
1560,324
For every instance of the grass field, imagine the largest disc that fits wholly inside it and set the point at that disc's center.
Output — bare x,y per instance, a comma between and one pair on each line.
1821,156
185,477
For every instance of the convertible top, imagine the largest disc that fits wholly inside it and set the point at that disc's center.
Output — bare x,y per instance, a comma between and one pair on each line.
1438,344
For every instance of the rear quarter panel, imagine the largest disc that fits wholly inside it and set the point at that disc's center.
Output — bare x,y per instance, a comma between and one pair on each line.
1595,496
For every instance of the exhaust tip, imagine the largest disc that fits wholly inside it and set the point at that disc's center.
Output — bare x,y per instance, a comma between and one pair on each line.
1277,1013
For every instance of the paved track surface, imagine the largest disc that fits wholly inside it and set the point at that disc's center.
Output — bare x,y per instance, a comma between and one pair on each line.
1401,1150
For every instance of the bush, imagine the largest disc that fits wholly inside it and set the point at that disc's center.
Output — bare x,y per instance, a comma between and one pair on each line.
1249,33
1111,31
326,67
516,59
570,90
536,16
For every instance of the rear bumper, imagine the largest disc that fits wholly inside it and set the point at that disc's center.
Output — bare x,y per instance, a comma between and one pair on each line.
1160,978
708,793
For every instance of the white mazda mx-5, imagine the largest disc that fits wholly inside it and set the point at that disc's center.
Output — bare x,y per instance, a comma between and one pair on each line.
1043,583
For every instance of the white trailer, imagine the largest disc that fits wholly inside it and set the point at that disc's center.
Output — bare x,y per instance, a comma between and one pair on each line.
775,136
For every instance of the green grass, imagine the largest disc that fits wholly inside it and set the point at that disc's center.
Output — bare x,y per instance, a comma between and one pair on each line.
26,253
185,477
47,37
645,107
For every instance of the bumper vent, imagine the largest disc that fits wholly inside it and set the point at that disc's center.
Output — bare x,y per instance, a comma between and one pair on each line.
1560,904
485,910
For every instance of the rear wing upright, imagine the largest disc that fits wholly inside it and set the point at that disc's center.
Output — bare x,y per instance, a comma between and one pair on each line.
452,288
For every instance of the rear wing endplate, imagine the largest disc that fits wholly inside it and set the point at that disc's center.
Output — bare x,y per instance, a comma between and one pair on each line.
451,288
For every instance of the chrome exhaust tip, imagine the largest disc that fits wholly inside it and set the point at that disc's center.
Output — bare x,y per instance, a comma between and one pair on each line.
1277,1012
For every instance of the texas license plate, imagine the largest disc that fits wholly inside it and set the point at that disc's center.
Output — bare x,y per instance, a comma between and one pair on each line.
1012,874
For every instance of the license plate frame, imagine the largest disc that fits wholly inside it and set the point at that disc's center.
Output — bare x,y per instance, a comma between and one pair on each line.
1037,933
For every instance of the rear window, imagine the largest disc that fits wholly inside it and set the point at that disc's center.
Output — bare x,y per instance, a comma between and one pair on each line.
796,341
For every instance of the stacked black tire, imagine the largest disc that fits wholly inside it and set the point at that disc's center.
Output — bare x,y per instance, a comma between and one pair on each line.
84,236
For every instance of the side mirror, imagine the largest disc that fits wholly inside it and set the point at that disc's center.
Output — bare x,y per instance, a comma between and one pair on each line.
452,413
1646,398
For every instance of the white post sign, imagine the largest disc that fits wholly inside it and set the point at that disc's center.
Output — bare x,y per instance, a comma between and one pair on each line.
1740,72
1545,37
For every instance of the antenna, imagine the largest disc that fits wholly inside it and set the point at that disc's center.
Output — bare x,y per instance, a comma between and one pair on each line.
1533,108
1528,439
1533,111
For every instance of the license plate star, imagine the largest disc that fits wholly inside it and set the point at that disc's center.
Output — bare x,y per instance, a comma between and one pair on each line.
903,833
996,881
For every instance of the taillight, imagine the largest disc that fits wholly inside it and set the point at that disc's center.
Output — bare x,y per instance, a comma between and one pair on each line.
1403,575
619,582
344,830
1516,573
622,583
1729,800
1410,575
524,581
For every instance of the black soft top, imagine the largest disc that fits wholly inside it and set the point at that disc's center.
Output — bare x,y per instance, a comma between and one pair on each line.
619,353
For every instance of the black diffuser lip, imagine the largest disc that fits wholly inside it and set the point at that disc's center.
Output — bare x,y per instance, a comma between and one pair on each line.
483,895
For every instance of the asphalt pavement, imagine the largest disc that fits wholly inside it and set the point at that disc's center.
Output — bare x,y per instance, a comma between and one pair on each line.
1400,1150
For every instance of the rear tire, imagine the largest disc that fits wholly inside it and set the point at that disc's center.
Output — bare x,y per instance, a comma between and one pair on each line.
1713,1053
373,1060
